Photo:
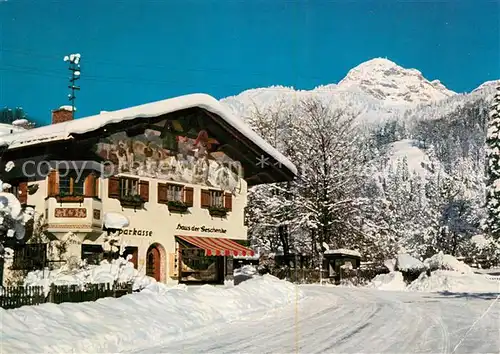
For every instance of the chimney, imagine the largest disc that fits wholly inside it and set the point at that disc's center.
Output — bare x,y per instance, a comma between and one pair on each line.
62,114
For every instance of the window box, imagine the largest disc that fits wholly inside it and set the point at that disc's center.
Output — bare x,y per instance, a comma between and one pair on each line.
216,202
178,198
131,192
70,187
177,206
69,198
218,211
131,201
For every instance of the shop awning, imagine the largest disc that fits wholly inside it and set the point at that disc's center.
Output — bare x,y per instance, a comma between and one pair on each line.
217,246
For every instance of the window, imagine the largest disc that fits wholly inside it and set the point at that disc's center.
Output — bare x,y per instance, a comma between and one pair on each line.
14,189
93,254
30,256
70,183
19,190
91,185
129,187
174,193
216,198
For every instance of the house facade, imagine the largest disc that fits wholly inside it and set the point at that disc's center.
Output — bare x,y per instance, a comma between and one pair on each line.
177,169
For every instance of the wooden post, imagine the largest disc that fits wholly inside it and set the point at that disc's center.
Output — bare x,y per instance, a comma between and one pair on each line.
52,293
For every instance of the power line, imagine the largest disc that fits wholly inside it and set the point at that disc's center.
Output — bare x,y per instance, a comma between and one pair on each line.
147,66
121,79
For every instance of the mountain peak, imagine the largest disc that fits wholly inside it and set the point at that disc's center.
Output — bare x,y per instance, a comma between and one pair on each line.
385,80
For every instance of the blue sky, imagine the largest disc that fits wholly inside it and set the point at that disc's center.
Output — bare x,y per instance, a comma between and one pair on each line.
135,52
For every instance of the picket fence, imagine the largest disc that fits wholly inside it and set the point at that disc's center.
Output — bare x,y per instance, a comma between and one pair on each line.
14,297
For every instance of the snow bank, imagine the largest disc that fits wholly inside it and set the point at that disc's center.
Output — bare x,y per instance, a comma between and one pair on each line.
407,263
447,274
119,269
447,262
390,264
453,281
392,281
156,315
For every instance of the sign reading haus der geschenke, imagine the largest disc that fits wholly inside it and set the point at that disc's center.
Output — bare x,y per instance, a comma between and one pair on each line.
201,229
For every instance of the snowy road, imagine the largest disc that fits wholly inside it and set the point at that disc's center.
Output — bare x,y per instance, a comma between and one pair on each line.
346,320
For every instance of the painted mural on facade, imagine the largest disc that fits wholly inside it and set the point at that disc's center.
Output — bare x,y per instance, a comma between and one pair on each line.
171,154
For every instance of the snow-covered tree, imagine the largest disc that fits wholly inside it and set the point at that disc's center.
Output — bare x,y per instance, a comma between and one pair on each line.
493,168
332,167
13,219
271,210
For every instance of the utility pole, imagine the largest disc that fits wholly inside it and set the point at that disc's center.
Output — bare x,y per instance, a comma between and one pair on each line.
74,67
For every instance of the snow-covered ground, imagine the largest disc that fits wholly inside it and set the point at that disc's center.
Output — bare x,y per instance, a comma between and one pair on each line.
266,315
157,314
347,320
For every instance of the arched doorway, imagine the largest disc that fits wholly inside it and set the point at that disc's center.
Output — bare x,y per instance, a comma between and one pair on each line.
154,261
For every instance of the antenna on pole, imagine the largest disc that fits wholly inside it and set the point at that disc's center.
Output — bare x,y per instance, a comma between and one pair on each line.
74,67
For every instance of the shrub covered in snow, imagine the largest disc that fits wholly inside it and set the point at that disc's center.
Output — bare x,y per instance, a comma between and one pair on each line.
410,267
119,270
446,262
407,263
13,218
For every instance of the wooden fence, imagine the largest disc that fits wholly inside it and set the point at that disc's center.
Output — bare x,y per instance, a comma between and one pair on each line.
301,275
14,297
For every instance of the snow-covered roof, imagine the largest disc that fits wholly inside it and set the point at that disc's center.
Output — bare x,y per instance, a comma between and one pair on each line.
67,108
344,251
65,130
7,129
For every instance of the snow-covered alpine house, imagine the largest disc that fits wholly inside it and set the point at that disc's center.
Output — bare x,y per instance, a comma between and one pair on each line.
168,180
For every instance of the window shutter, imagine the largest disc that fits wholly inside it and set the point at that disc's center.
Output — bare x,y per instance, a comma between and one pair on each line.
114,187
228,201
144,190
23,193
52,184
188,196
162,193
96,190
90,186
205,198
173,261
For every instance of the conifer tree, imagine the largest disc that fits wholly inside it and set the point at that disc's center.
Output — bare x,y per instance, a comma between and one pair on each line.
493,168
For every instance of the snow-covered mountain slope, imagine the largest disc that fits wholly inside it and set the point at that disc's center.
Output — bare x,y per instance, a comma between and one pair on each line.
487,88
416,157
389,82
377,90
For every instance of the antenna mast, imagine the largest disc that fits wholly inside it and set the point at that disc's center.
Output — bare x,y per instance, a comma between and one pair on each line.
74,67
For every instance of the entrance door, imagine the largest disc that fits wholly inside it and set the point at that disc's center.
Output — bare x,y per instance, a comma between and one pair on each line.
153,263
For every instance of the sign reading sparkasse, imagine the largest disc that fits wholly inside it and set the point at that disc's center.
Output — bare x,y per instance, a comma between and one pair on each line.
201,229
135,232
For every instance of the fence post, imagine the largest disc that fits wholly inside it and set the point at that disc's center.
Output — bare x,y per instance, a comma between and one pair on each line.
321,268
52,292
